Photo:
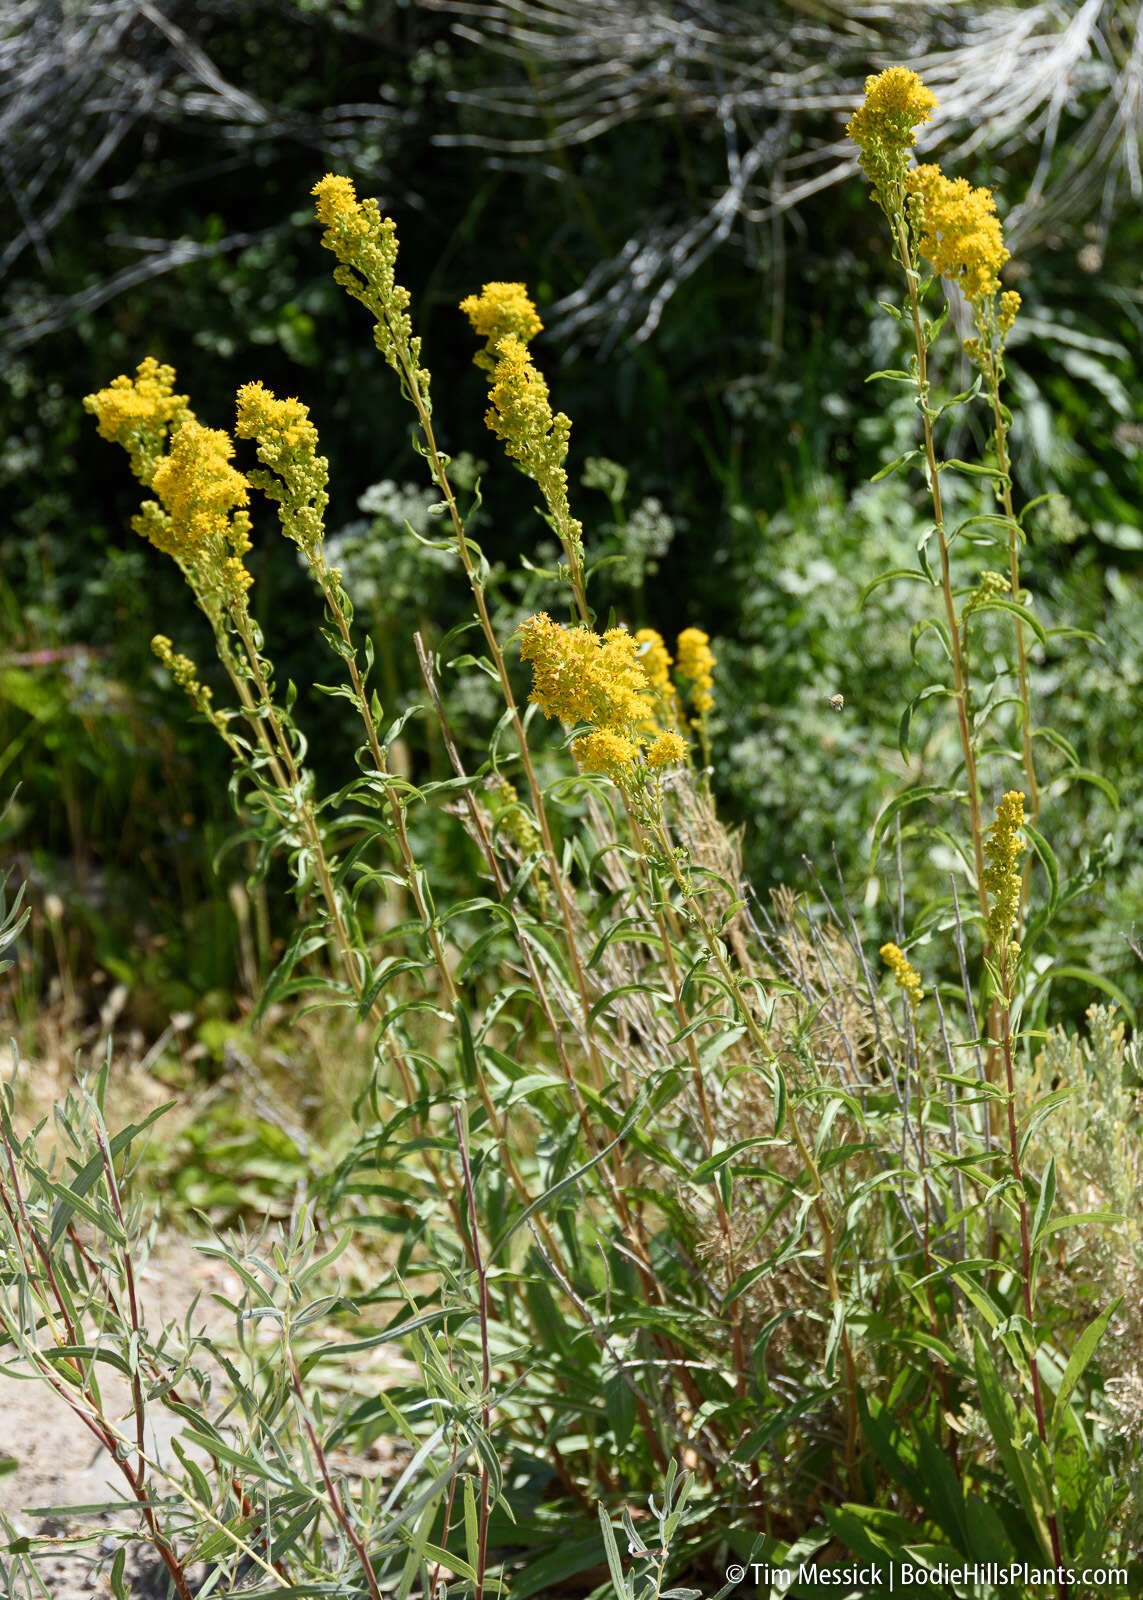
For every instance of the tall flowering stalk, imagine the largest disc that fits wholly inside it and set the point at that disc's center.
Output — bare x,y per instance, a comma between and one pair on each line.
884,128
953,227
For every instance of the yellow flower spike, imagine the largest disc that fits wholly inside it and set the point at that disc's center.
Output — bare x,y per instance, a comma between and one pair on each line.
959,230
140,413
197,486
287,444
498,310
896,104
520,414
200,518
1004,845
905,973
696,666
365,244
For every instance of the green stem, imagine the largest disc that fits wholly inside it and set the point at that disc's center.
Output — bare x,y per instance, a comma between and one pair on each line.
1062,1589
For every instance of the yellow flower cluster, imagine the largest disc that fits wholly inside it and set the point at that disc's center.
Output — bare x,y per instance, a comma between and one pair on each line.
520,412
959,232
365,244
696,666
896,103
139,413
199,517
655,659
905,973
1003,845
498,310
183,670
581,676
287,444
202,524
667,749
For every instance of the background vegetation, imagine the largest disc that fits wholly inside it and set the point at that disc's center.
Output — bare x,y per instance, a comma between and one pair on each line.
157,161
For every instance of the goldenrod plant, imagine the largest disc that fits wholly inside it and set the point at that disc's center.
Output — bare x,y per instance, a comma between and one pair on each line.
682,1208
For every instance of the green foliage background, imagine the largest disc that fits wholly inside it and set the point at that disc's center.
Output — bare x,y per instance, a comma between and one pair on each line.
744,416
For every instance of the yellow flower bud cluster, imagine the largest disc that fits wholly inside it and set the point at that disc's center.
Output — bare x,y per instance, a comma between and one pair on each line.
1004,845
581,676
516,820
989,586
896,104
696,667
1008,306
959,231
498,310
183,670
365,244
287,444
905,973
199,516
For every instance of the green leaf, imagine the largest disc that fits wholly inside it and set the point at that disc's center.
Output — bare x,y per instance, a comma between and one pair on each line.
1097,981
890,577
894,466
998,603
910,797
905,723
614,1564
973,468
1041,1109
1085,775
1060,743
1045,1201
894,373
1082,1219
1051,866
1085,1347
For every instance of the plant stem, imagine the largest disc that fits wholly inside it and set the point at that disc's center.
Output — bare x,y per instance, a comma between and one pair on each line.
1000,439
1025,1244
485,1357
